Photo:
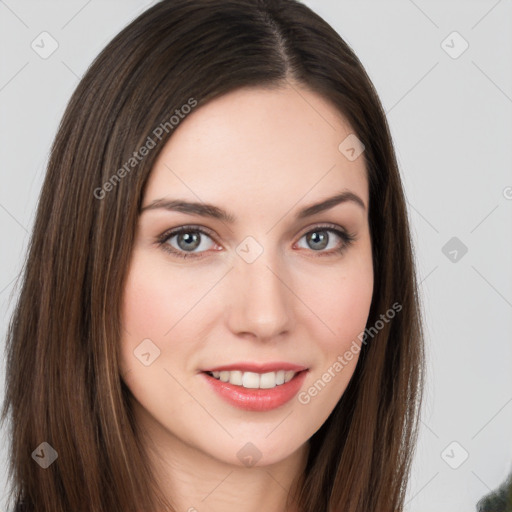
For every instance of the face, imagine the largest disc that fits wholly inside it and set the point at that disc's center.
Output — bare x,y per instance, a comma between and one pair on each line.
259,281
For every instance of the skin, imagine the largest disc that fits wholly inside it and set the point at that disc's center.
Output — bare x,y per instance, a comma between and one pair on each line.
262,155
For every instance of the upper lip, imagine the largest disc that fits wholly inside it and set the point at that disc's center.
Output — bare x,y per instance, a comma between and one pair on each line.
258,367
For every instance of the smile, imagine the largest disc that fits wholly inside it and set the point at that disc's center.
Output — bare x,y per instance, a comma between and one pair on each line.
252,380
253,391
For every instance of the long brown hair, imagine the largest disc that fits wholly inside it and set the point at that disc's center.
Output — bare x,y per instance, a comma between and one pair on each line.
63,382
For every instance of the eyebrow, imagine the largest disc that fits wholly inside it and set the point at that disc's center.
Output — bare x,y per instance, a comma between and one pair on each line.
210,210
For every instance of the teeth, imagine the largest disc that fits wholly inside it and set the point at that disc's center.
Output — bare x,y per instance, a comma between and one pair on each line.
235,378
251,380
268,380
288,375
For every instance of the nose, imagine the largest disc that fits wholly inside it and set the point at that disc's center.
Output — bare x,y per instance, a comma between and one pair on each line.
259,299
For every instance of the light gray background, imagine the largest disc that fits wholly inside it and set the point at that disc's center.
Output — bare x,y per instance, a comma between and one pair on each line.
452,127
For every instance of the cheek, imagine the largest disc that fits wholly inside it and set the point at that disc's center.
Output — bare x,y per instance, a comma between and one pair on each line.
341,301
142,307
353,305
153,305
342,305
154,301
159,304
148,313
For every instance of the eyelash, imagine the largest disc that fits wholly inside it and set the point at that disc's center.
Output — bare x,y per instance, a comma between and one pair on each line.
347,238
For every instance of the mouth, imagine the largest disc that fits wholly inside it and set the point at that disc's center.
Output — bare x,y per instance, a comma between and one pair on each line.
253,391
254,380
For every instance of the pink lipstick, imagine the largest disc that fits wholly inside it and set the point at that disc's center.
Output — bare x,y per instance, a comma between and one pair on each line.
256,387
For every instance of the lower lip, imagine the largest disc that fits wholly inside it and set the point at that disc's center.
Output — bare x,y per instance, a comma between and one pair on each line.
257,399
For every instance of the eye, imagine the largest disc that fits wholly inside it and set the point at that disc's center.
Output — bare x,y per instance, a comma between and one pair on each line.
192,242
328,237
186,241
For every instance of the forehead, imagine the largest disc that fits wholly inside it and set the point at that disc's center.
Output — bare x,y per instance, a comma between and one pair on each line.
257,146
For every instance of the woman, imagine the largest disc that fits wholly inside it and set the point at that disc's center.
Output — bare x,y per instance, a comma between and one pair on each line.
219,308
